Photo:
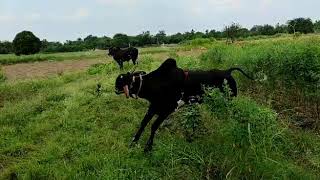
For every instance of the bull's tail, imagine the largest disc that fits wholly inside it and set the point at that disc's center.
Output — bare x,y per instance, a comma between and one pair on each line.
238,69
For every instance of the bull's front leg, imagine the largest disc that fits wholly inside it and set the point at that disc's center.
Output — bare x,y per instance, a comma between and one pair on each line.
121,64
154,128
150,113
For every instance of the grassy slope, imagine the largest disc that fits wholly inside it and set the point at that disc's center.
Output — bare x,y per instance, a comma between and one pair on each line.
61,128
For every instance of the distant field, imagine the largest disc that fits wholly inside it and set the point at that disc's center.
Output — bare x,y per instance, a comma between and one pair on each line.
61,127
13,59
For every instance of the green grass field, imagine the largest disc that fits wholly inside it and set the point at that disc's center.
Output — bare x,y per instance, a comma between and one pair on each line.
62,128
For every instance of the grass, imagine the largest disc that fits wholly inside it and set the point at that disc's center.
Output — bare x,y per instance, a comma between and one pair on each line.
2,76
62,128
13,59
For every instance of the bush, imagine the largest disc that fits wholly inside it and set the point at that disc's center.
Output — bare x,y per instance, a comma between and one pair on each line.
5,47
27,43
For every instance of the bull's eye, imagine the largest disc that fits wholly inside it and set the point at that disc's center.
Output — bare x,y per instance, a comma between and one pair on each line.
121,77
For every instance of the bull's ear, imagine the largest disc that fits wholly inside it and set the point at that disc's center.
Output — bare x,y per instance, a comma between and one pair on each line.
128,73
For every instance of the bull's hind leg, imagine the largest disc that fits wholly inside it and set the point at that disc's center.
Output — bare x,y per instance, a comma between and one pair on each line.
120,63
134,61
233,86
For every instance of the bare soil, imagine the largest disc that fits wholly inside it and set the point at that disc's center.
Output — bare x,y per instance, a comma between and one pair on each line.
44,69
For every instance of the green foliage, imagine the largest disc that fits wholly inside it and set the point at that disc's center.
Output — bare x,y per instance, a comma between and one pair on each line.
161,37
27,43
263,30
316,26
302,25
6,47
120,40
144,39
232,31
190,122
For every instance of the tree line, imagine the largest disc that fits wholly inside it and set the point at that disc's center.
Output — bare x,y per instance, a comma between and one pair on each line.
232,32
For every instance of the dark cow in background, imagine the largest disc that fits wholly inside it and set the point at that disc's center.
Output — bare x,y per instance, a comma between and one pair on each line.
122,55
165,86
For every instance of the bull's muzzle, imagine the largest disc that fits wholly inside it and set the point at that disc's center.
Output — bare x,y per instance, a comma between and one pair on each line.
126,90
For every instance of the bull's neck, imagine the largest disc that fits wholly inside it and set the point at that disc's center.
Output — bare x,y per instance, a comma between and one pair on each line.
136,89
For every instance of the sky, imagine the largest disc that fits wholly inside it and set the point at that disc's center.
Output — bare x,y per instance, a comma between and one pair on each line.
60,20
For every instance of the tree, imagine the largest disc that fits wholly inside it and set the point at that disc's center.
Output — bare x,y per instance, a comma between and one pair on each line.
144,39
300,25
161,37
316,26
263,30
103,42
243,32
175,38
91,42
26,42
5,47
120,40
281,28
232,32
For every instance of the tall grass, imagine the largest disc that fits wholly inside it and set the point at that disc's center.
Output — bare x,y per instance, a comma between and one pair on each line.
287,70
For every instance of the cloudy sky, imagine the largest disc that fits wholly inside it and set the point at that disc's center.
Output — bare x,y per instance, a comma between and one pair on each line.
69,19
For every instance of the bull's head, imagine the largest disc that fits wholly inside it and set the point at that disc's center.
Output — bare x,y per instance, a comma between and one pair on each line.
124,82
113,50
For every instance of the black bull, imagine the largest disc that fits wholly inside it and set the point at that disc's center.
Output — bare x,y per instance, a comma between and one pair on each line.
163,89
122,55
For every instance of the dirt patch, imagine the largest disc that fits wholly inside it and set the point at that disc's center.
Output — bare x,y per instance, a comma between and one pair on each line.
45,69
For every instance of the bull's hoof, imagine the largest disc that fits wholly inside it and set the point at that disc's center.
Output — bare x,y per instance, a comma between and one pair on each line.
133,143
148,147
